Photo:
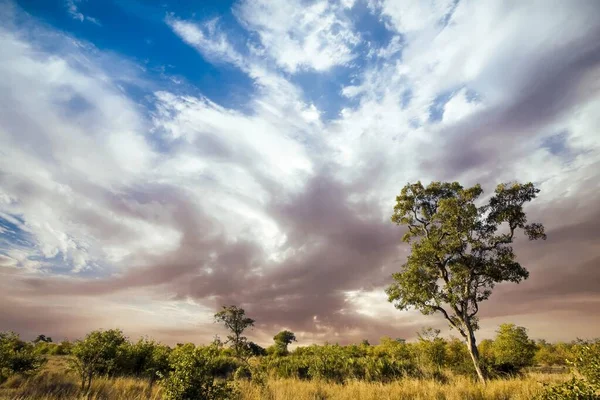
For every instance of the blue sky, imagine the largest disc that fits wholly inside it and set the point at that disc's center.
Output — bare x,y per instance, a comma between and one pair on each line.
160,159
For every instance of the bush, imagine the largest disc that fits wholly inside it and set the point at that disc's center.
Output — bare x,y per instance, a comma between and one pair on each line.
145,359
193,375
458,359
99,353
17,356
512,349
337,363
586,364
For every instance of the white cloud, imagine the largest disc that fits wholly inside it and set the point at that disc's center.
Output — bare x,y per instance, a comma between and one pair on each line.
299,36
74,12
408,16
208,39
82,143
459,107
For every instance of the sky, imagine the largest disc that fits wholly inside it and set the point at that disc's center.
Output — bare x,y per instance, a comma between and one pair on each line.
161,159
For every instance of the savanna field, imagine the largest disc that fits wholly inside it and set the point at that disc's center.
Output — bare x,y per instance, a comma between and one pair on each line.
299,200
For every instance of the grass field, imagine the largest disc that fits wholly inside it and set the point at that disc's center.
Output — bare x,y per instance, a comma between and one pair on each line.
56,382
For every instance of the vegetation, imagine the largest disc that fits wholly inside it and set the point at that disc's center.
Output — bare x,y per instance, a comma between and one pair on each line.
459,251
235,320
430,367
282,340
17,356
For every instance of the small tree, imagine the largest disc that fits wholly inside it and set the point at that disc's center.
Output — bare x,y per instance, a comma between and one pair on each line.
459,251
97,354
512,349
282,340
235,320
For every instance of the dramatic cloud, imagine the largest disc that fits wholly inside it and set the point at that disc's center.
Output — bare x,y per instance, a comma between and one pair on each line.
130,201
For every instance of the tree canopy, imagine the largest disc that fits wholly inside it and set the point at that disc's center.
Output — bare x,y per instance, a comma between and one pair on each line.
459,250
235,320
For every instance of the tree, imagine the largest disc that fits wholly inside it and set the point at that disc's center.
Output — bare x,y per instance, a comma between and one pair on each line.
235,320
459,251
97,354
42,338
512,348
282,340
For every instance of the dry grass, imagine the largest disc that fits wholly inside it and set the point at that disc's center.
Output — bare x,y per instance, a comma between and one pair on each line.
458,388
54,382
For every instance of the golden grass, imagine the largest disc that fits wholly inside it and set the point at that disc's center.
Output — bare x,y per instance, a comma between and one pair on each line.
458,388
54,382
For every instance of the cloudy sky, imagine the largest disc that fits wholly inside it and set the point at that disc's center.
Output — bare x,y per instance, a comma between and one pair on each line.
160,159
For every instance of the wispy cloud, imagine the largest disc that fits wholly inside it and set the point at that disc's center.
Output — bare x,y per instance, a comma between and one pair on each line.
74,12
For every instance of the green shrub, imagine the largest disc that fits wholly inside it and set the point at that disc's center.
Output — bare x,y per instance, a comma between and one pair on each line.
574,389
17,356
99,353
145,359
586,384
193,375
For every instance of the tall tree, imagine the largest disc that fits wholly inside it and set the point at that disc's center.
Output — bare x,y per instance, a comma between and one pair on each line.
459,250
235,320
282,340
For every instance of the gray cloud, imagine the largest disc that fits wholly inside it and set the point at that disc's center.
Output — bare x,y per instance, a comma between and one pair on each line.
194,225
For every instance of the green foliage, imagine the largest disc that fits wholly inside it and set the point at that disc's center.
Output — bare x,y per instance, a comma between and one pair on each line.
512,349
386,362
548,354
282,340
457,357
144,359
42,338
587,360
99,353
459,250
194,375
256,350
573,389
53,349
431,348
17,356
235,320
585,385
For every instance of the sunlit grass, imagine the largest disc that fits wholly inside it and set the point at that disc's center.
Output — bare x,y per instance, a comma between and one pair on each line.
54,382
457,388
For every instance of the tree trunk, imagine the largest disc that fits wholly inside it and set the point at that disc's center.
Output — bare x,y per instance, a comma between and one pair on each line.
150,385
474,352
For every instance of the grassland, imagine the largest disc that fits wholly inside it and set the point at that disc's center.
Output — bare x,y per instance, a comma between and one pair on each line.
55,382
